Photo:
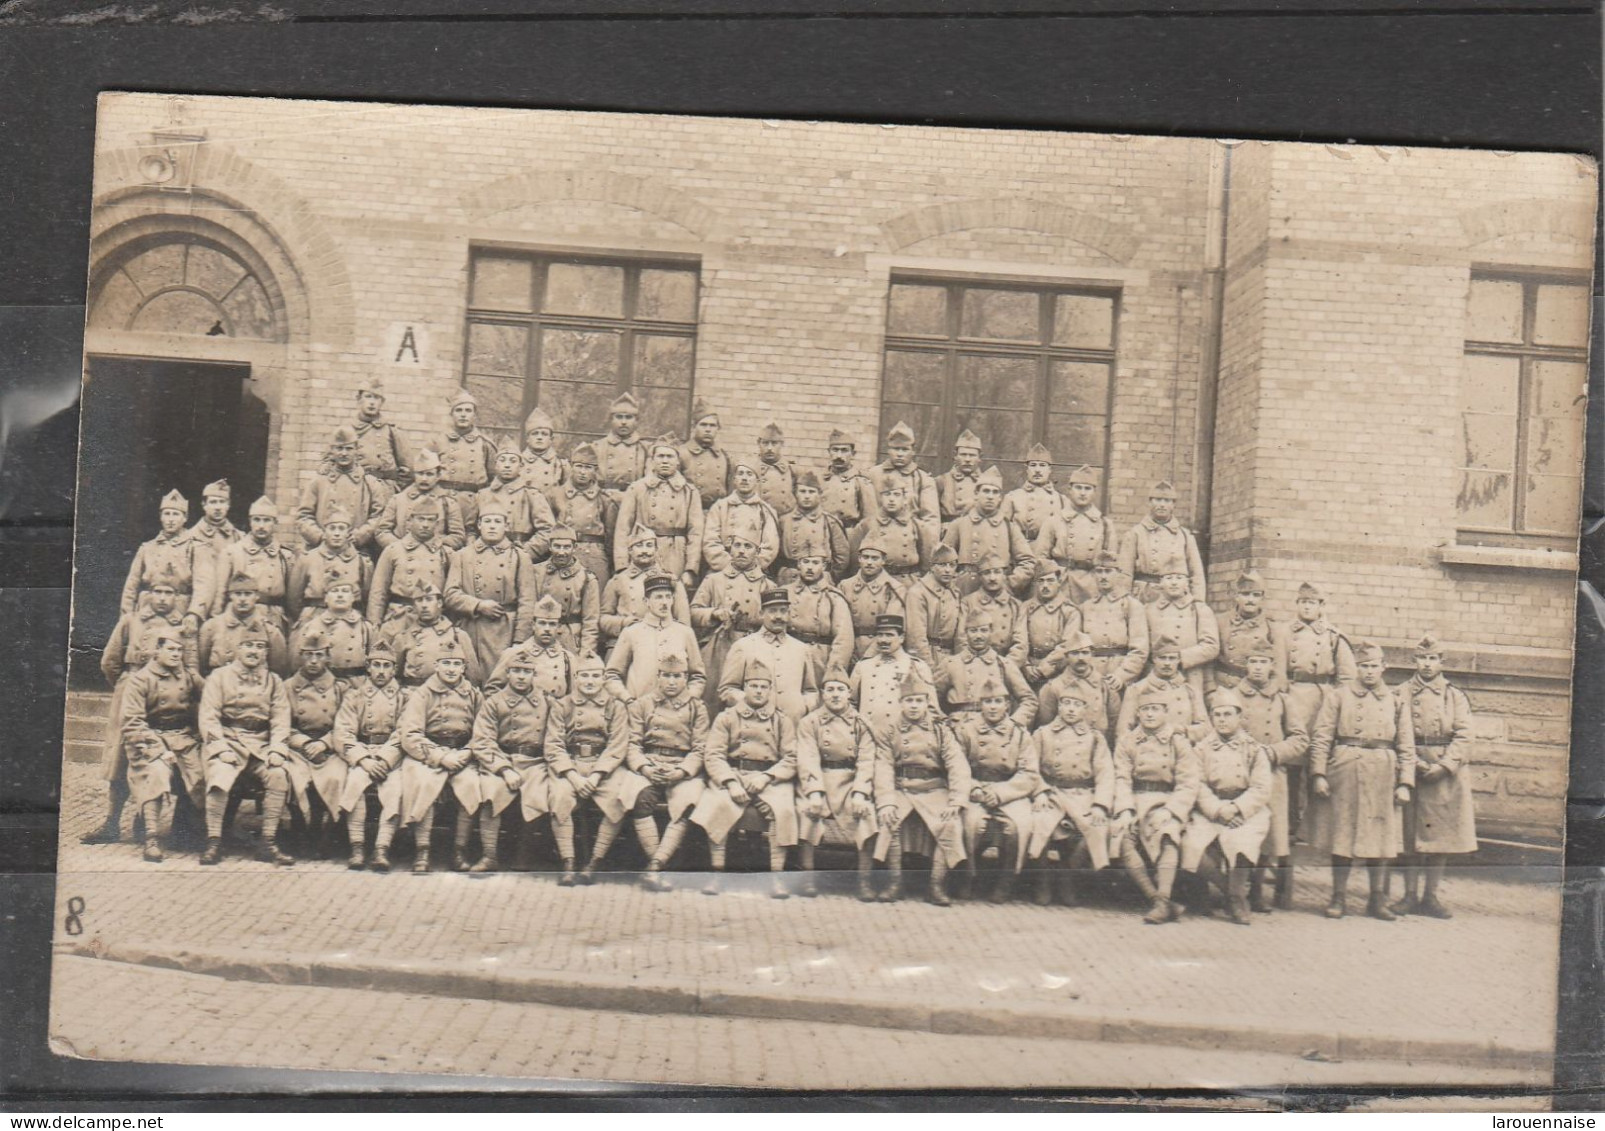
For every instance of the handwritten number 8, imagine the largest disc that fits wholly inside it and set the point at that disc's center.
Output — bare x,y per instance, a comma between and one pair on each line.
73,925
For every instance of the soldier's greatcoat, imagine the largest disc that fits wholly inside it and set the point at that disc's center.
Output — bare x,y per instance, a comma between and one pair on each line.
1004,758
1269,720
1231,771
748,740
777,485
269,566
1441,817
1118,626
590,735
438,719
876,682
632,666
1149,546
1156,779
1318,659
708,469
591,514
821,619
1008,621
814,532
666,734
1034,507
219,641
169,560
156,726
620,462
245,713
921,770
1240,636
355,492
624,601
672,509
847,494
1184,705
365,727
788,660
404,569
741,592
314,704
1077,785
1103,702
1191,624
960,676
836,756
316,570
748,516
1364,743
576,589
1048,624
931,613
511,728
392,527
529,513
976,537
501,574
542,471
1074,539
867,600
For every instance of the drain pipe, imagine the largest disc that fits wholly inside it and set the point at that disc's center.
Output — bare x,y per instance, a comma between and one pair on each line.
1217,241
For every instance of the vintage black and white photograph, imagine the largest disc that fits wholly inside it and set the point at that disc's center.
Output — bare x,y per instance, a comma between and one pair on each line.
620,597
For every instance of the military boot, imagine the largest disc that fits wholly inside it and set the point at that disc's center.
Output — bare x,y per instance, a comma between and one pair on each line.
1008,852
358,859
1236,898
894,866
487,863
107,833
1284,885
653,878
270,852
381,858
866,877
214,851
153,850
939,874
1042,895
1259,897
567,879
1430,907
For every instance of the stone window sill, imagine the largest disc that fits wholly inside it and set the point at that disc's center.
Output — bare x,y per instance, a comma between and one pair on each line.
1509,557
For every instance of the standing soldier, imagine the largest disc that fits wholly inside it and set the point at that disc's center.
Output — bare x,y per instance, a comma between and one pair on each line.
810,529
1186,620
1080,677
665,502
365,737
994,600
1036,504
332,560
1232,815
425,493
836,778
877,679
871,594
510,729
1075,797
705,464
261,556
563,578
244,722
542,468
490,590
1003,778
919,770
621,454
843,490
1118,625
955,487
169,559
1077,535
587,738
932,611
1184,703
381,450
986,532
820,617
341,485
906,544
1362,770
529,515
317,772
1248,630
1440,821
544,653
1319,658
221,636
632,666
213,536
345,631
787,661
751,763
919,487
624,595
668,729
423,635
963,675
728,605
1156,540
436,726
1050,618
155,724
467,456
1156,784
777,477
1269,721
740,511
406,566
589,512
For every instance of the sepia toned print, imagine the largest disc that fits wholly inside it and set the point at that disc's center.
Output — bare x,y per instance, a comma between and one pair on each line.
625,597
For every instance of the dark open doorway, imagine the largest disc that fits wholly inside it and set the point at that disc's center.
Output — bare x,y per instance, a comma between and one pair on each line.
149,427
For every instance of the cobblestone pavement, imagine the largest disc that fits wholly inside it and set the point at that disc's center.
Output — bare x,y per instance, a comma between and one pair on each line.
108,1010
1485,979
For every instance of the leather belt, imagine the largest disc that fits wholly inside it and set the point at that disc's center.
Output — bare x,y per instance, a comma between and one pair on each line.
1042,653
451,739
254,726
1230,794
523,751
1071,783
903,570
813,637
667,752
669,532
374,738
918,773
349,673
396,601
1435,742
1366,743
1148,578
752,766
585,751
839,763
992,776
459,485
571,618
1153,786
948,645
180,722
1077,563
387,476
315,734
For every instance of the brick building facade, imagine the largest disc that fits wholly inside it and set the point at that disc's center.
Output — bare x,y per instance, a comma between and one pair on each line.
1280,330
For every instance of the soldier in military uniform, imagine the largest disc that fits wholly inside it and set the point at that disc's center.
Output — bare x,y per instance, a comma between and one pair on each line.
1003,779
906,543
1074,798
541,467
529,514
244,721
552,662
931,608
1246,631
728,606
794,686
436,725
498,781
624,595
668,729
664,501
1077,535
1362,772
510,727
490,590
467,456
587,738
820,617
1156,785
342,485
961,676
332,560
317,772
344,630
621,454
1231,816
213,536
919,487
365,738
589,513
994,600
751,764
985,532
836,778
1050,618
702,461
632,666
425,493
870,594
740,511
383,452
1184,703
1156,540
261,556
877,679
1036,503
1178,615
810,529
1080,677
575,589
921,771
424,634
1319,658
220,636
406,566
155,727
955,487
777,477
169,558
1269,721
1440,821
843,490
1118,625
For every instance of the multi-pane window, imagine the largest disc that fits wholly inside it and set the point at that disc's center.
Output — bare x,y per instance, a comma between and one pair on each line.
1015,364
570,333
1521,408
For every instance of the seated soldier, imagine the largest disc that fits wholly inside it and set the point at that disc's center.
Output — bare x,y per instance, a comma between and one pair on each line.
751,764
156,726
317,774
632,667
836,778
1156,783
510,728
365,738
1232,815
1003,778
499,781
1074,798
586,740
920,770
1268,719
245,732
668,728
435,729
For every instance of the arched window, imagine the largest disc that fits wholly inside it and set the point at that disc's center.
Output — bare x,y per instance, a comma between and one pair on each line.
181,283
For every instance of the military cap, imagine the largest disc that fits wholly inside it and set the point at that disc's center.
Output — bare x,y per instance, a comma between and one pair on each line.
1309,592
428,460
813,553
590,662
1428,646
837,436
371,384
538,418
559,533
991,477
673,662
893,488
495,506
835,674
1047,567
215,490
1076,691
775,599
1077,642
757,670
507,447
583,453
380,649
461,397
641,533
900,433
173,501
991,688
1106,559
160,584
744,532
747,462
657,581
943,553
1038,453
345,434
893,621
449,648
340,583
1367,651
981,616
427,589
242,583
668,441
1225,697
967,440
1249,581
914,683
340,515
1154,694
806,479
428,504
254,630
992,560
520,657
1164,489
264,508
872,545
771,431
313,640
624,402
701,410
1166,644
1084,474
1260,648
547,608
1173,566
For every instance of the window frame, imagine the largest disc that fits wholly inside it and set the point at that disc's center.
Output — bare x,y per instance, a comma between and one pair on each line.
1528,354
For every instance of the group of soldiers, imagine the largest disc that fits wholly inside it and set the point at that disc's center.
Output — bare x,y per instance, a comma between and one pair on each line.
662,632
